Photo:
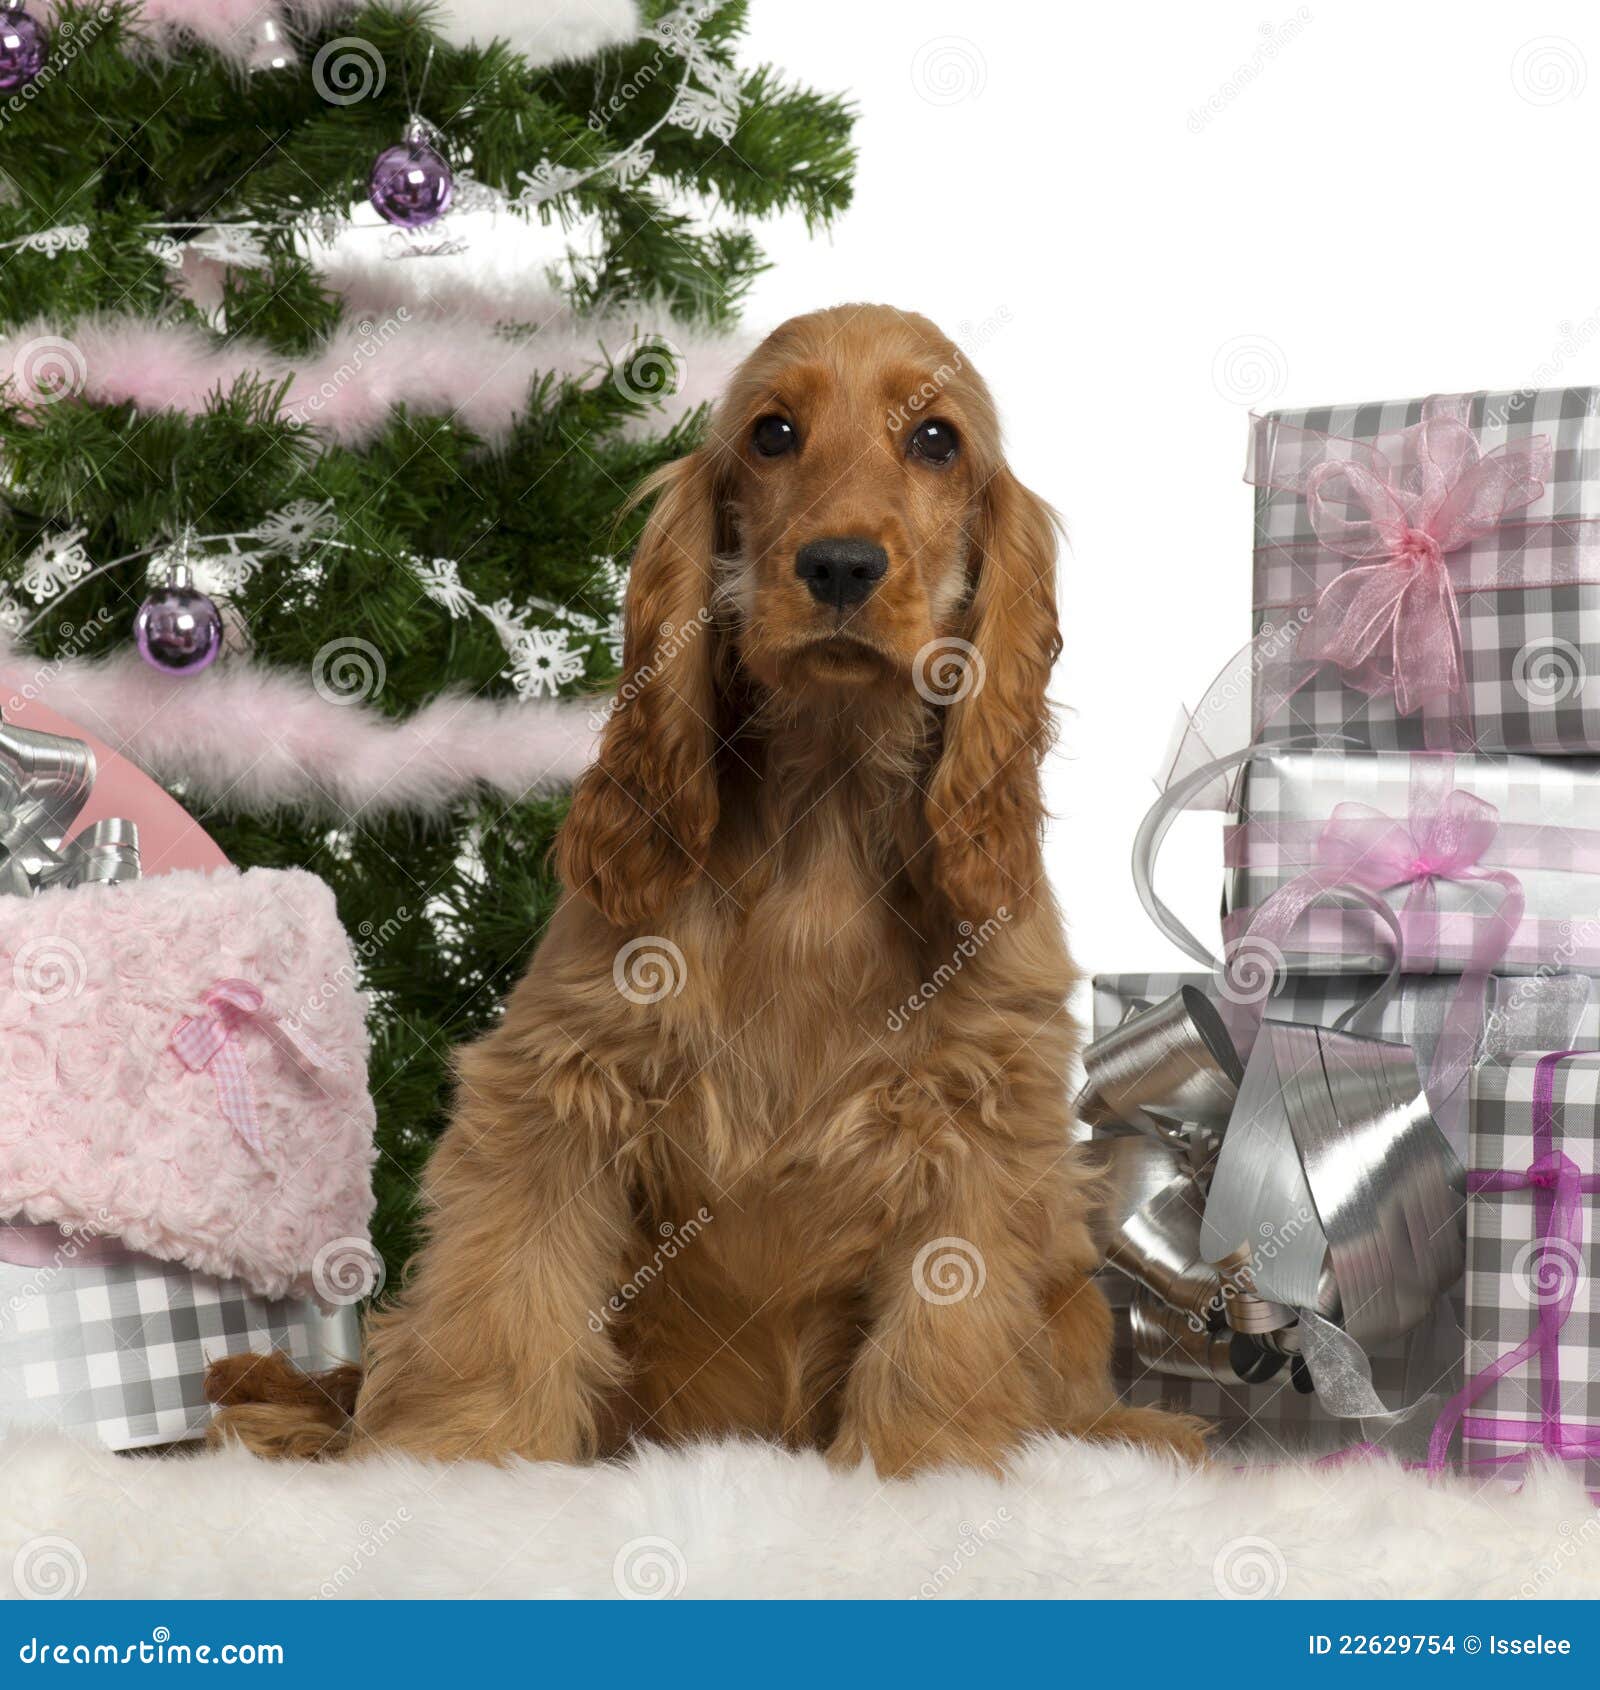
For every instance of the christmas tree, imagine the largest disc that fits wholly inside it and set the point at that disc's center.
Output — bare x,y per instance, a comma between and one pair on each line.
303,514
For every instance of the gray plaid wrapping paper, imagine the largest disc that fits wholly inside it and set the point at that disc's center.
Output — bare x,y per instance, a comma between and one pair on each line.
1274,1417
1549,836
121,1350
1510,1272
1531,650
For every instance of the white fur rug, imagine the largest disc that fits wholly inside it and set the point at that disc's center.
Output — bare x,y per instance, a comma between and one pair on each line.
743,1520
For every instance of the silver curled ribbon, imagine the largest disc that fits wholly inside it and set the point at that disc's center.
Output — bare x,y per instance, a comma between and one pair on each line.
1325,1219
45,780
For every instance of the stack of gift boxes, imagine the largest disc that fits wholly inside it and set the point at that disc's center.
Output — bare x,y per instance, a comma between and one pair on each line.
186,1133
1412,855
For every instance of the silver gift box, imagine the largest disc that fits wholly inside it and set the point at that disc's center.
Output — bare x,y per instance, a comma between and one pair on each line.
1298,791
120,1350
1274,1418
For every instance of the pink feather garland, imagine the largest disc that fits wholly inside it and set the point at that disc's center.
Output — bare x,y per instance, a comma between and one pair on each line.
265,738
453,367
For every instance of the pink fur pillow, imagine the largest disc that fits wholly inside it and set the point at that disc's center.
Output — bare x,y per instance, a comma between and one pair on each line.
103,1126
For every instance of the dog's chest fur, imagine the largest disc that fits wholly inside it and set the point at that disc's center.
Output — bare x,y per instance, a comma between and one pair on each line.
783,1061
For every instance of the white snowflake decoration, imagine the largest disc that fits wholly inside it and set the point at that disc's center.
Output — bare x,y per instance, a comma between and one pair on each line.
700,109
297,527
473,195
542,662
441,581
65,237
220,573
546,181
632,165
13,616
167,249
59,560
233,244
708,101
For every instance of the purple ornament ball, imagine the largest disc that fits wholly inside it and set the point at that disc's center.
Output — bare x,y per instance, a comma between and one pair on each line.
178,631
21,50
411,185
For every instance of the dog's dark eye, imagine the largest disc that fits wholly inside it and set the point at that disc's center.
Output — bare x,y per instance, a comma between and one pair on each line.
933,441
773,436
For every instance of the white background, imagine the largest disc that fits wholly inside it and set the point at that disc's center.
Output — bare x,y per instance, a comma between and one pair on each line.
1182,212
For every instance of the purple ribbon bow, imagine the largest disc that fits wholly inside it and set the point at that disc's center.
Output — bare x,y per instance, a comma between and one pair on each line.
1558,1187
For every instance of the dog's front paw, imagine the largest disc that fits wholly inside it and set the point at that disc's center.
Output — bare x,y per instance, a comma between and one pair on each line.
899,1450
1182,1435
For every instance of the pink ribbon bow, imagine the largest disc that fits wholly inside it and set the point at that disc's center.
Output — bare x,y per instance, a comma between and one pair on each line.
212,1041
1445,838
1398,506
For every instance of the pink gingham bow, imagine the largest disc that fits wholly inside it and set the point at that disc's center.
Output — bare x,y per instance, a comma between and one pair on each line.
212,1041
1398,505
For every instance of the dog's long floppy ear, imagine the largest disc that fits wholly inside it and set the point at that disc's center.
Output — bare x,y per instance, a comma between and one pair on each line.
984,803
644,812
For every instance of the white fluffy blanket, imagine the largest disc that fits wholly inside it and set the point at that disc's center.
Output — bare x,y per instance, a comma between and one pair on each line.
743,1520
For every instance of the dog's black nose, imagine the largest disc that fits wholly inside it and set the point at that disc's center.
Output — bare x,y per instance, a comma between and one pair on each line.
841,572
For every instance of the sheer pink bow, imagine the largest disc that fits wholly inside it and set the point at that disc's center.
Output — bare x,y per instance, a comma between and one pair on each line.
1444,838
212,1041
1398,506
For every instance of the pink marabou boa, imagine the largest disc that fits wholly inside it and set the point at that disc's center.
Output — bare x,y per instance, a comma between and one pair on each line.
264,737
454,367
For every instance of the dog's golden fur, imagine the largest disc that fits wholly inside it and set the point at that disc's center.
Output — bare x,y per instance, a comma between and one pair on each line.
776,803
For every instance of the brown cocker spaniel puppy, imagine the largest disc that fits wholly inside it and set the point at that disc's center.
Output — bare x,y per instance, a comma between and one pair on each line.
774,1136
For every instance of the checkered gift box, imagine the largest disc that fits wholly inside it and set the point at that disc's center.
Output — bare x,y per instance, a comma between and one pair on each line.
1274,1417
1544,835
1532,1366
1528,591
120,1350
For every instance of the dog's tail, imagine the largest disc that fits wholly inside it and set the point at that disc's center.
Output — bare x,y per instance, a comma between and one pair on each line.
267,1404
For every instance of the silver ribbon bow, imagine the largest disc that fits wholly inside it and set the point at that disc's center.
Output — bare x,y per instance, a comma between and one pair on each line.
1326,1218
45,780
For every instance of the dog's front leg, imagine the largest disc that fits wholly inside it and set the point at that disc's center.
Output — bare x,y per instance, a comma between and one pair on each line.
945,1374
497,1345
